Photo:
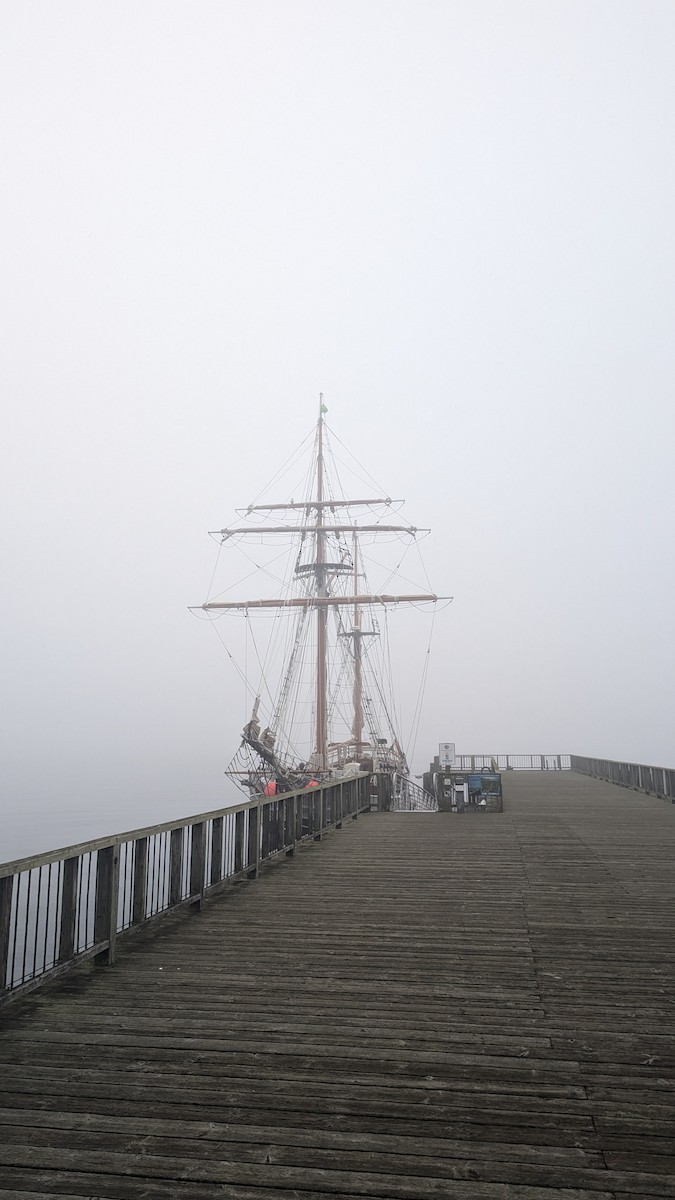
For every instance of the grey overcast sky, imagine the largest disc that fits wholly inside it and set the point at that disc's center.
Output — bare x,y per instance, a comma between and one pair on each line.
453,218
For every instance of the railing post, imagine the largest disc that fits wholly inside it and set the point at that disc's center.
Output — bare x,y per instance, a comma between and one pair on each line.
68,909
140,880
265,839
281,824
6,892
175,866
384,792
197,861
107,899
216,873
291,824
238,842
339,807
317,814
253,859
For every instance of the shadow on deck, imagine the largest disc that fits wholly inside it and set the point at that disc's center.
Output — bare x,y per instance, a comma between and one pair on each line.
421,1005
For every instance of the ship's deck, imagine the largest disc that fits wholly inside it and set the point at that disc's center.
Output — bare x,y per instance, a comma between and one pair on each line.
476,1007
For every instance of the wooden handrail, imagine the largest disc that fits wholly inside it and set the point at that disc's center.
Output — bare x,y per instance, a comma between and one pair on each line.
36,860
64,906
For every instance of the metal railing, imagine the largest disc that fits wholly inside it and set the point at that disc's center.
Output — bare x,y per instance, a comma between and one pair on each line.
408,796
513,762
657,781
66,906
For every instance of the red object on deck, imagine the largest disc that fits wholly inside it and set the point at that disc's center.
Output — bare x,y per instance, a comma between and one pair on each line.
313,783
270,788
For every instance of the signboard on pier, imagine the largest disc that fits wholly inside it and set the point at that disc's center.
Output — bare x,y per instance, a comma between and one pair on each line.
446,754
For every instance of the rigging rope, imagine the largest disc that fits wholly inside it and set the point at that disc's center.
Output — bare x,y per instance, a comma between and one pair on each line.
283,468
358,464
423,683
242,676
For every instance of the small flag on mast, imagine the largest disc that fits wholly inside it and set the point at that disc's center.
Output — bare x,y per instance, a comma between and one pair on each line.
322,406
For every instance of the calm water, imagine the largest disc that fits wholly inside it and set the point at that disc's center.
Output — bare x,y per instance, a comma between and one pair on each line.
39,812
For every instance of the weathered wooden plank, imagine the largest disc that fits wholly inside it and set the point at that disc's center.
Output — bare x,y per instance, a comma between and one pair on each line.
363,1050
286,1147
362,1182
132,1187
642,1159
462,1121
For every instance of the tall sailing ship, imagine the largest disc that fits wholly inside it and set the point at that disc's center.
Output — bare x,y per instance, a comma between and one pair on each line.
333,712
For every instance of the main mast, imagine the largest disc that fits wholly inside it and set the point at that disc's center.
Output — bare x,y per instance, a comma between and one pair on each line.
357,726
322,609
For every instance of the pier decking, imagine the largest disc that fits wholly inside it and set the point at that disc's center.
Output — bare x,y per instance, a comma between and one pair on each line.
421,1005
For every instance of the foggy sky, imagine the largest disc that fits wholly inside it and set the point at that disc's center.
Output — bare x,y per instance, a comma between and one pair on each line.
455,220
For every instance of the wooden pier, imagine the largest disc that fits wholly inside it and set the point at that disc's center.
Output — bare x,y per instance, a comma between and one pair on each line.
420,1005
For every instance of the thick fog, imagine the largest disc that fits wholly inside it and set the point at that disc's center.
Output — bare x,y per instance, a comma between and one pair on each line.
454,219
